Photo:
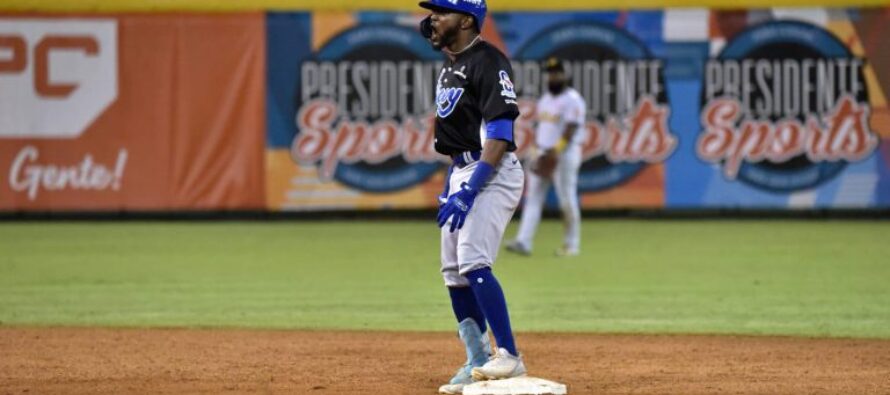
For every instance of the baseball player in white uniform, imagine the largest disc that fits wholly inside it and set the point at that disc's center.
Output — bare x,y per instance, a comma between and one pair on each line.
560,114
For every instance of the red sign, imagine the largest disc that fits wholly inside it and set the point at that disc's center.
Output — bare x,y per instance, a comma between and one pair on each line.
141,112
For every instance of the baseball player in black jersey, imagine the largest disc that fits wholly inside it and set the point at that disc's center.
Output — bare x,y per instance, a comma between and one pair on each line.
475,109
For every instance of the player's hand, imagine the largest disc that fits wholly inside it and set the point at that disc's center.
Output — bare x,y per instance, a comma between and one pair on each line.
457,207
546,164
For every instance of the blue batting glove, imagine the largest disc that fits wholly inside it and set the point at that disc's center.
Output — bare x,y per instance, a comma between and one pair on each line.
457,207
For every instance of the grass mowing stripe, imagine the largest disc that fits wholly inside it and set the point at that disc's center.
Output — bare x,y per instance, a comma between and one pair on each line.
762,277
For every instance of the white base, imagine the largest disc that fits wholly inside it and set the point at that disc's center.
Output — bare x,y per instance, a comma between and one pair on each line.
516,386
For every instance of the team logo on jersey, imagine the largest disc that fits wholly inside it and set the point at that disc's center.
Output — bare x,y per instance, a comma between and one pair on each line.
785,107
623,86
364,117
507,86
446,100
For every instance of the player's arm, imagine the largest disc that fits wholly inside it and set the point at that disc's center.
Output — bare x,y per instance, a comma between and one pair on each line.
498,134
459,204
575,115
571,128
499,109
568,132
546,163
493,151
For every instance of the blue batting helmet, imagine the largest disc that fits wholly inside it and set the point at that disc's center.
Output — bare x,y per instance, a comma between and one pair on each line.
476,8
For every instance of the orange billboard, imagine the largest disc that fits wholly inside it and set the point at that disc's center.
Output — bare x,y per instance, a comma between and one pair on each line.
132,112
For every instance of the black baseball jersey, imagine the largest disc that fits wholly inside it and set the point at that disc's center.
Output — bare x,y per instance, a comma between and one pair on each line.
474,88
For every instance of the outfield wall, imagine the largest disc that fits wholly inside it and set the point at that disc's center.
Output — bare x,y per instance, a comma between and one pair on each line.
319,110
401,5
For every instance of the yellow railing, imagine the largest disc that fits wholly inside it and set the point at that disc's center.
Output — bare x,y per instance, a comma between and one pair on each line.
398,5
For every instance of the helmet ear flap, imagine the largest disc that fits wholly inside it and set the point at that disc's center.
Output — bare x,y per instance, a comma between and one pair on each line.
426,27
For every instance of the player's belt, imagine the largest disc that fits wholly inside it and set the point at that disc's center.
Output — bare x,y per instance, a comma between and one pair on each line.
465,158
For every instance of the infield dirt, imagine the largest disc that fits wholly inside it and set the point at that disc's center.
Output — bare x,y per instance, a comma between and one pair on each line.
115,361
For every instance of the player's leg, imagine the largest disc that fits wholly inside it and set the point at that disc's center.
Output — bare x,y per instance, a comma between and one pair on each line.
536,194
478,244
566,185
470,318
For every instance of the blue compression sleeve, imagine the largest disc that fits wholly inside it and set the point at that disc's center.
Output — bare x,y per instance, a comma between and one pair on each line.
494,306
499,129
463,302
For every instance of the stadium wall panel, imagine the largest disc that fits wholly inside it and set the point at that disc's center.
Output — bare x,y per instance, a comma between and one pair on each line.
688,108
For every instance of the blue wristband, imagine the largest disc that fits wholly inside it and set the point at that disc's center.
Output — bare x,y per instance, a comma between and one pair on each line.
480,175
499,129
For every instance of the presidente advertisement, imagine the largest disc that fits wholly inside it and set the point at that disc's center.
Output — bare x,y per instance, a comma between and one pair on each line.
351,106
793,111
776,108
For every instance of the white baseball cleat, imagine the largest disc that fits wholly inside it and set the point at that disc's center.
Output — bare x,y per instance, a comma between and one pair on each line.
452,389
517,247
502,365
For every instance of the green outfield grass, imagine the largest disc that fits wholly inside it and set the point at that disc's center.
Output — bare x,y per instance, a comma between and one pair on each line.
807,278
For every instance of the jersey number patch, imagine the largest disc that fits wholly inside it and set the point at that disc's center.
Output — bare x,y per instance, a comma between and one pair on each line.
446,101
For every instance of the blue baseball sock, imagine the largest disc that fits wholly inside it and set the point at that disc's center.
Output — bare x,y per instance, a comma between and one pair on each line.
463,302
490,297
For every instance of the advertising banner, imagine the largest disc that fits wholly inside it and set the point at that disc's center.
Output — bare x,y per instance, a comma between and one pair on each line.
132,112
685,108
360,95
350,116
792,112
